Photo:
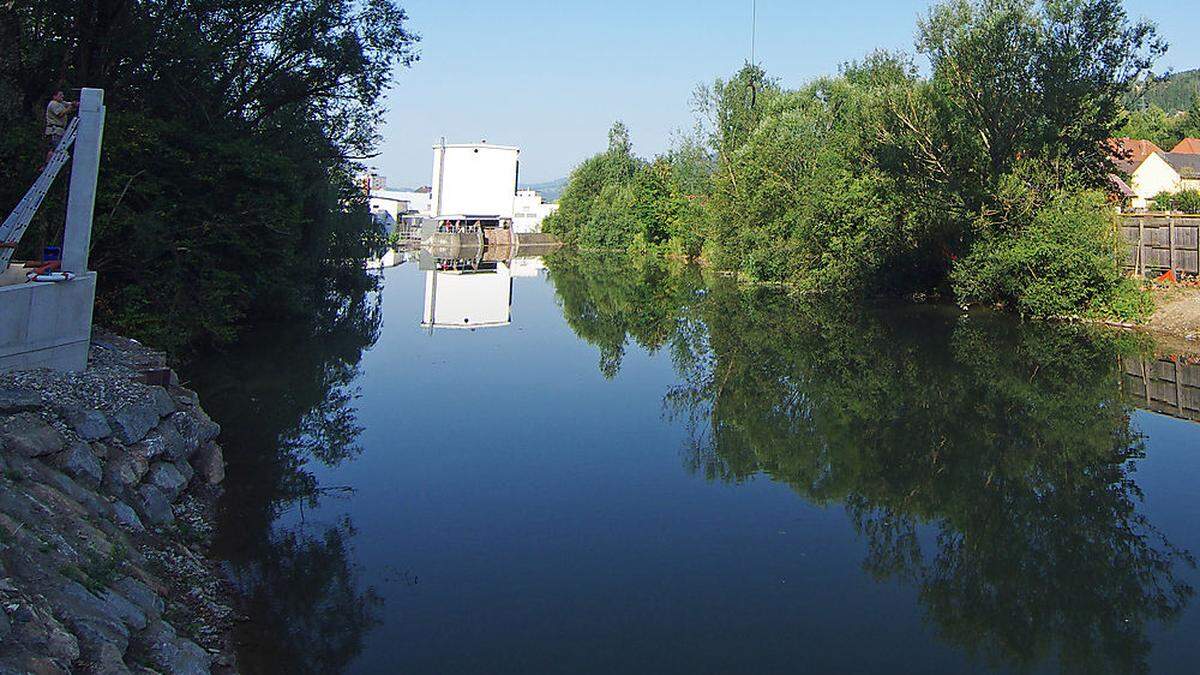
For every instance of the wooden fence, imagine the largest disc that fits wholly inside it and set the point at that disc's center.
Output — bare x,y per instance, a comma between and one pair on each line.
1161,242
1168,385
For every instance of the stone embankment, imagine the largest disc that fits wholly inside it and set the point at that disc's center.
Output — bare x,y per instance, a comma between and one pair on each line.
108,481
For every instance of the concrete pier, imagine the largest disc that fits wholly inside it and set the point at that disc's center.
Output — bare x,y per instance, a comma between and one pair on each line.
451,244
49,324
46,325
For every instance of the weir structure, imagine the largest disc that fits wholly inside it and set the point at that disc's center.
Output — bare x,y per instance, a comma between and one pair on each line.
46,317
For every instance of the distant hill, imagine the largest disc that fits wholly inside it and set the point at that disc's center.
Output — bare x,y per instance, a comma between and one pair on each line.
550,191
1172,94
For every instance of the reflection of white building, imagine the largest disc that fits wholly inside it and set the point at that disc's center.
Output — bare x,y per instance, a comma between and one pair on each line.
476,298
529,210
526,267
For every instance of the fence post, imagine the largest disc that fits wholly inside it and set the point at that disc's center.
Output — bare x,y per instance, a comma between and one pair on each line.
1146,382
85,169
1179,388
1171,234
1141,254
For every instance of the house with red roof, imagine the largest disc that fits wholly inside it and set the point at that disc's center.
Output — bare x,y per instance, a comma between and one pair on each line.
1164,172
1129,153
1189,146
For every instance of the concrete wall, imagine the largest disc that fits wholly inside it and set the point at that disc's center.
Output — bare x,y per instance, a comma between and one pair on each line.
474,180
46,325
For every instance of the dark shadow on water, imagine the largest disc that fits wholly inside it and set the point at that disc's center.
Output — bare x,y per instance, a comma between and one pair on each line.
285,399
1012,443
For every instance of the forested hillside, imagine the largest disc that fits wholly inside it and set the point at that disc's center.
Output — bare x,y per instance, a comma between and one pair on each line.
1176,93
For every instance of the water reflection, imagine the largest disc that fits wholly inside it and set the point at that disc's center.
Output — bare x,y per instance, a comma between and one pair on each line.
1012,442
986,464
285,400
472,293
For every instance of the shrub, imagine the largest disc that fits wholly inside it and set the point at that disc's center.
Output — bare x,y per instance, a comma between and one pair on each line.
1062,263
1187,201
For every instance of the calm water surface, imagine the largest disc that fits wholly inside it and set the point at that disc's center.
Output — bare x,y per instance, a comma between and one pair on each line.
644,469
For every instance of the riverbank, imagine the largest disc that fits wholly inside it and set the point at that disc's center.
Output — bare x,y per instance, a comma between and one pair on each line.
1177,312
108,486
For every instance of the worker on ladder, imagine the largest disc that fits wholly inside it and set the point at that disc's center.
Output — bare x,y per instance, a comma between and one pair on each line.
58,112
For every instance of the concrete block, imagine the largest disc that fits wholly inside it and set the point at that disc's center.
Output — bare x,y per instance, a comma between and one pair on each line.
46,325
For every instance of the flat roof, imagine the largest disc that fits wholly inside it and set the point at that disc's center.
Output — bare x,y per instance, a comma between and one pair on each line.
466,326
493,146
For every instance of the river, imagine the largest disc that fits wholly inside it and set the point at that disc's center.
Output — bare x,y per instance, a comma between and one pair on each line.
640,467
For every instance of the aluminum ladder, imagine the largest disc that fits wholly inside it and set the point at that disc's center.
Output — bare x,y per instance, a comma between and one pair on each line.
18,221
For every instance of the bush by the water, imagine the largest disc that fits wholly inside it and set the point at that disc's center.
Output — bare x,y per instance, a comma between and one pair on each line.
882,180
1063,263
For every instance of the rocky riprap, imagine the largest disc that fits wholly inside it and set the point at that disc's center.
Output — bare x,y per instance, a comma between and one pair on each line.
108,480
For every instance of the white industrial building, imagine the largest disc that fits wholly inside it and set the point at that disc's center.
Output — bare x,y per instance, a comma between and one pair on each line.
397,203
473,184
476,181
529,210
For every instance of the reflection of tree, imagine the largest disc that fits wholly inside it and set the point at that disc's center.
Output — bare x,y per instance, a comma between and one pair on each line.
607,304
309,616
285,398
1010,441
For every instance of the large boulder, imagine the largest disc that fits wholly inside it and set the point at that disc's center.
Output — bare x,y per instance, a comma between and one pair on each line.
195,427
209,463
127,517
88,424
18,400
168,478
153,504
36,629
99,625
29,436
164,441
163,403
169,653
141,595
124,469
133,420
78,462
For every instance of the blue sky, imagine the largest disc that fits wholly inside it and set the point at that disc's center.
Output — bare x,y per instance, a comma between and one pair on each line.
551,77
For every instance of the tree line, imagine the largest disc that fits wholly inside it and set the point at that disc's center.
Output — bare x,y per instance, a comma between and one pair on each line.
233,137
983,177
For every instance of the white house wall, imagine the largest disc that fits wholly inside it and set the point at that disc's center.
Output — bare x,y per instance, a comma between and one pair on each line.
529,211
1152,178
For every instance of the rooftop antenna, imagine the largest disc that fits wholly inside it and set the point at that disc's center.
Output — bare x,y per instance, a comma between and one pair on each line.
753,86
753,29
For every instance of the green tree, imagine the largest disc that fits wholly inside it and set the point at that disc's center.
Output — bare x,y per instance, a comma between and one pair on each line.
227,195
1152,124
1015,78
